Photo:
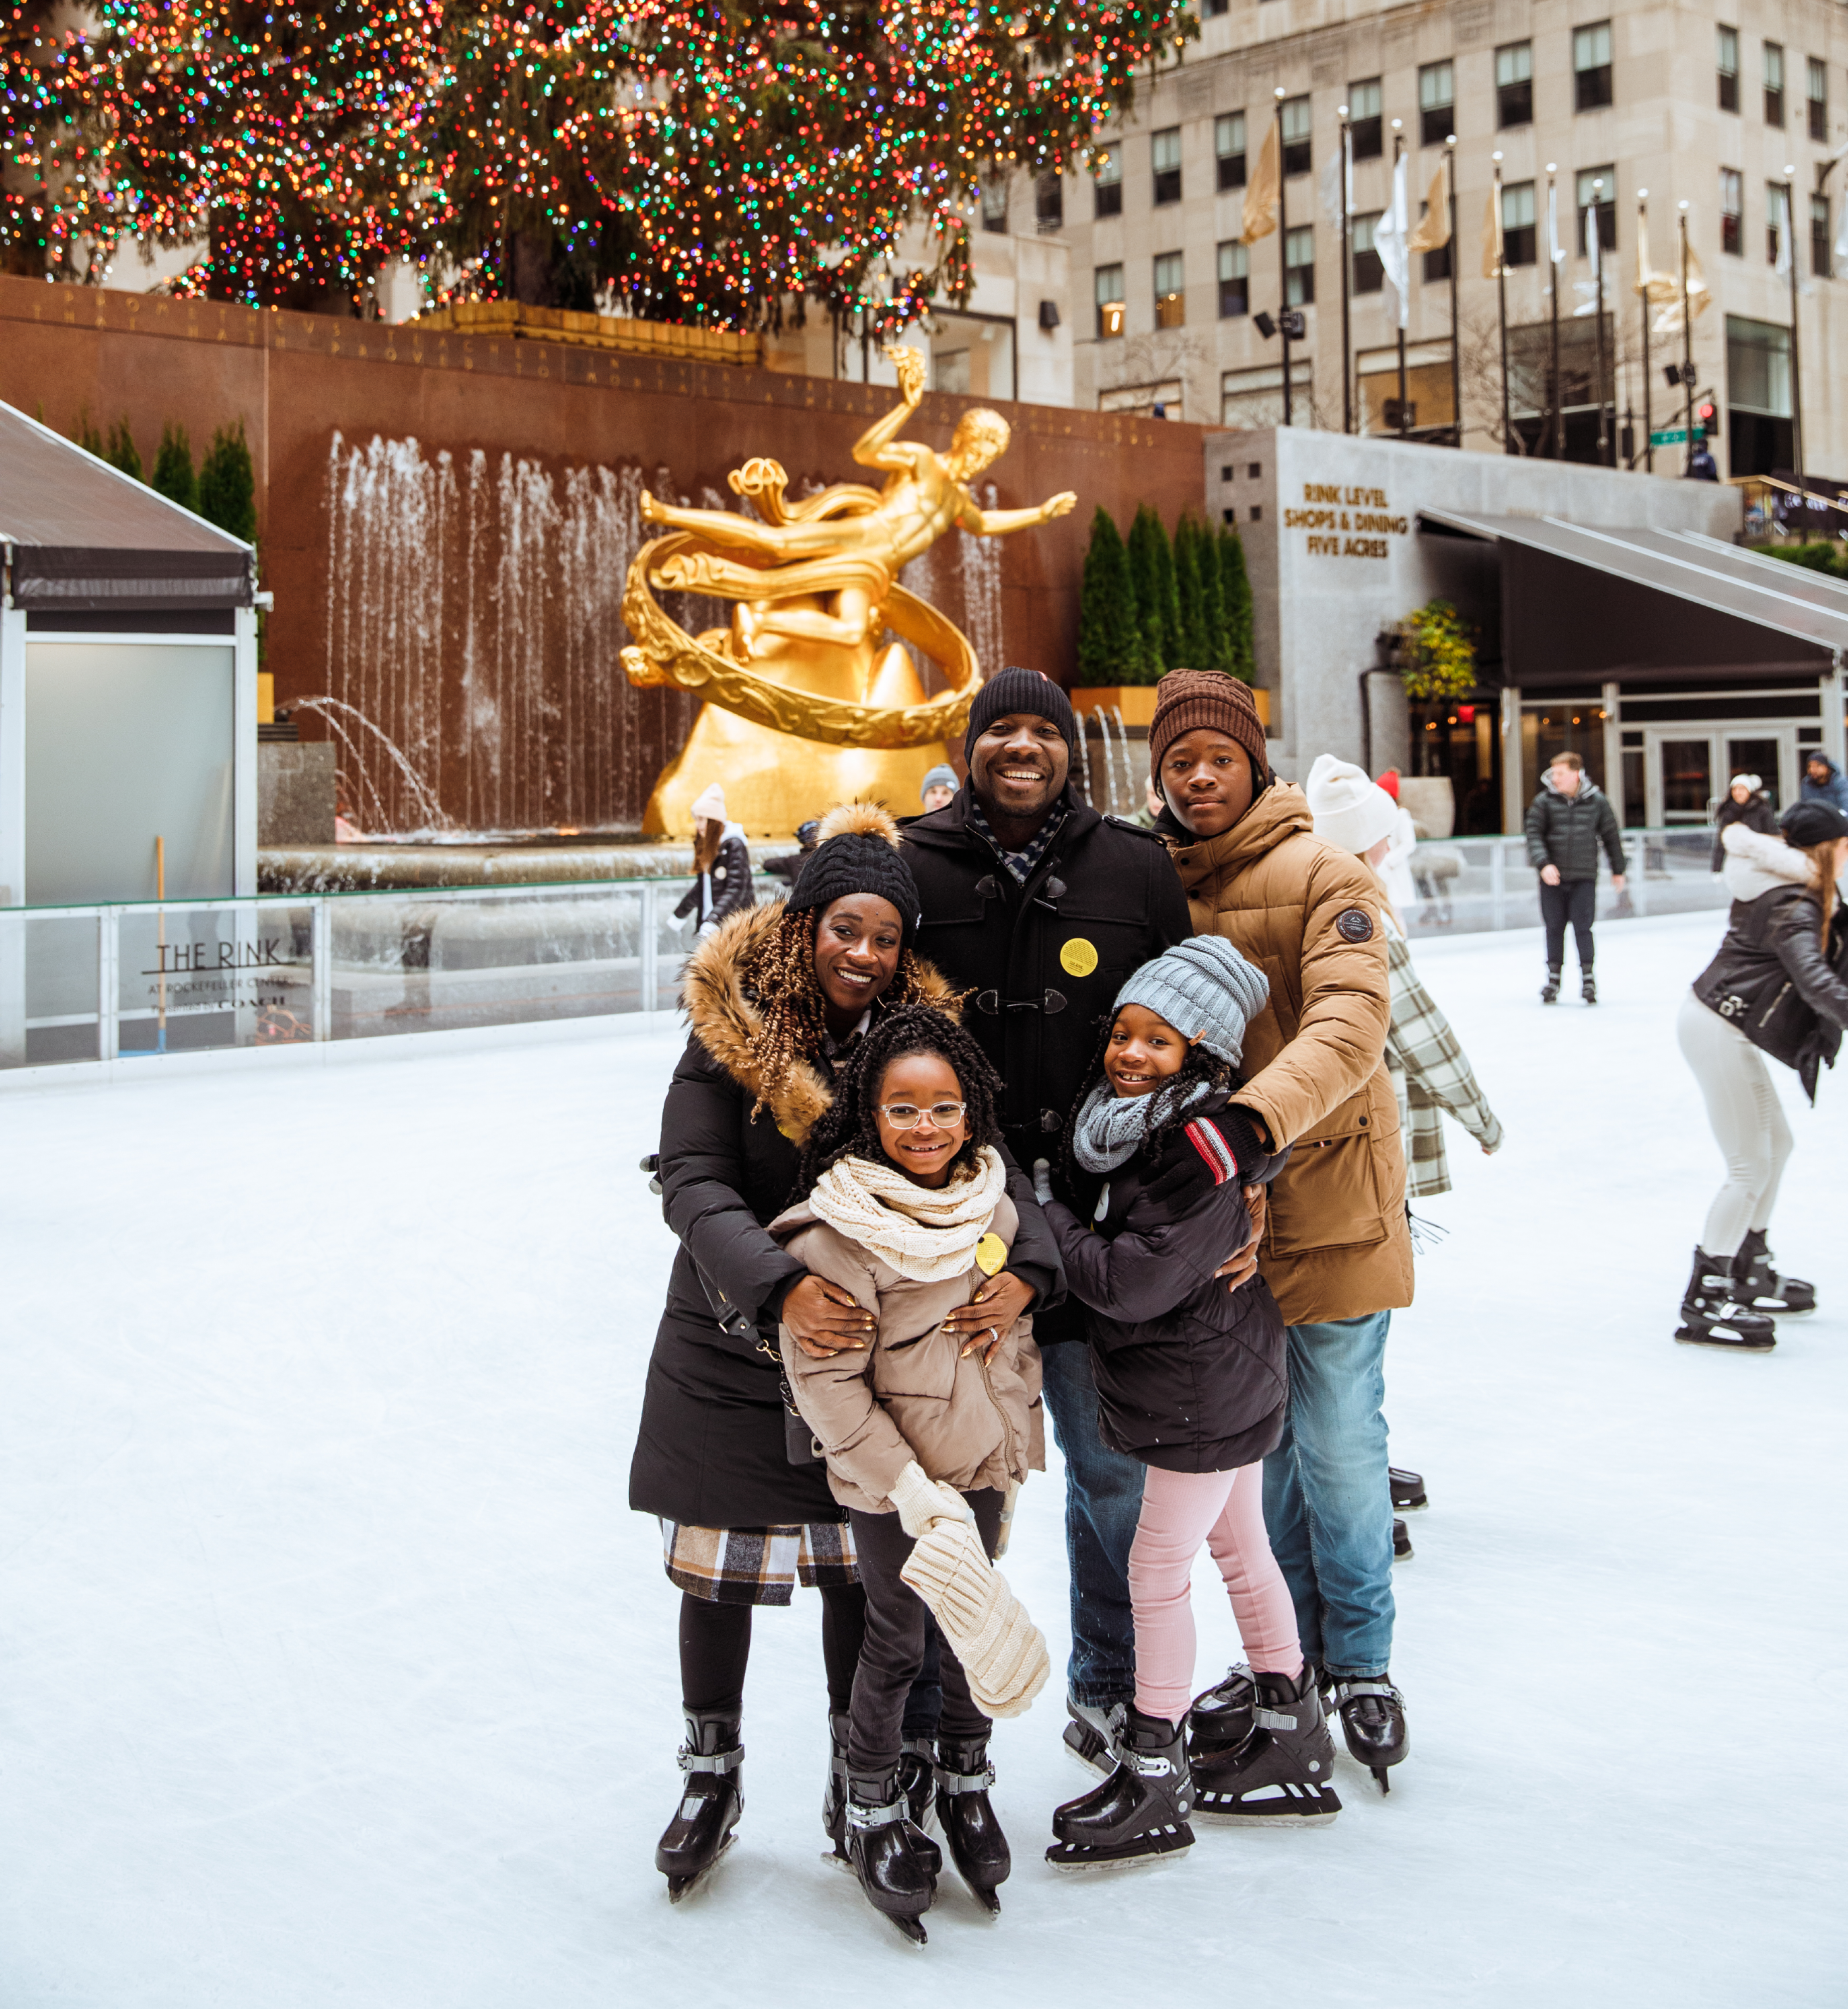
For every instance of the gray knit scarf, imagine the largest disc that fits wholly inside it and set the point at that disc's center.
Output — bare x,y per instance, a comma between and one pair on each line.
1111,1128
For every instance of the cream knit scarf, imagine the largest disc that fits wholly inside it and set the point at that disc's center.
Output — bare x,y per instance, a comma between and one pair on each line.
925,1235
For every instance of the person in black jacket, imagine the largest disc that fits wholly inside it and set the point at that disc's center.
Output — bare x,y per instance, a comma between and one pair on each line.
1744,802
1778,985
721,884
1190,1382
773,997
1568,821
1043,908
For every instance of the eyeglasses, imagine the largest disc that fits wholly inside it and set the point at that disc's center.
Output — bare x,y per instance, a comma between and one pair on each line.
908,1115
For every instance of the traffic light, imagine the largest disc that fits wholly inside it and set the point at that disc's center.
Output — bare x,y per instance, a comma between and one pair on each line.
1707,417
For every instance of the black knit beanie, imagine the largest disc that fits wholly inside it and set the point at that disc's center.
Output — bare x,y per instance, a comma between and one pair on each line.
1808,823
859,853
1015,690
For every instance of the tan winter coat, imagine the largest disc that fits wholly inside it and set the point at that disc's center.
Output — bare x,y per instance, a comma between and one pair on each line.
910,1395
1335,1244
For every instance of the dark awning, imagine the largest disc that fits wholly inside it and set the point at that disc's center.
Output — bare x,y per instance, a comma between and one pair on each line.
1653,606
80,537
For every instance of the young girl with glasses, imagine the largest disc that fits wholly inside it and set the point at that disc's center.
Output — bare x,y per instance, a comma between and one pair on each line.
923,1427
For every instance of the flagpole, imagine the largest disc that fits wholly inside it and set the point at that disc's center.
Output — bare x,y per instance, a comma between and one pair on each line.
1501,290
1555,414
1642,225
1346,275
1687,345
1398,148
1604,434
1283,251
1456,336
1796,353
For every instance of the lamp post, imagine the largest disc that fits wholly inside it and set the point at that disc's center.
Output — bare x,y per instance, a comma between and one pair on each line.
1604,434
1398,148
1795,353
1283,251
1555,414
1642,226
1456,334
1347,276
1687,375
1501,288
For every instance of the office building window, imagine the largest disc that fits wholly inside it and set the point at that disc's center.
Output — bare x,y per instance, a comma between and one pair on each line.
1296,135
1216,8
1819,101
1251,399
1364,125
1170,296
994,207
1106,171
1165,153
1437,103
1109,284
1728,69
1758,400
1774,83
1369,274
1299,267
1591,66
1514,84
1519,243
1732,210
1605,199
1228,143
1774,221
1235,284
1821,262
1049,203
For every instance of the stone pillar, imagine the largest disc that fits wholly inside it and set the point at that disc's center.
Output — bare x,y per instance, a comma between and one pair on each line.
1613,750
1513,808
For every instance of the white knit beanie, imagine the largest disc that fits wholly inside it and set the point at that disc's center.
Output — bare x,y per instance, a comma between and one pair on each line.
1351,813
709,805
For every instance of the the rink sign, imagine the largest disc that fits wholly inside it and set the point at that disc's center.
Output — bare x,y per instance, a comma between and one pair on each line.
1345,521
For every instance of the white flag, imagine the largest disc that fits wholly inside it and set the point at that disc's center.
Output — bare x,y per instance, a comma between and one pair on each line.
1841,236
1389,234
1782,268
1552,224
1591,238
1331,191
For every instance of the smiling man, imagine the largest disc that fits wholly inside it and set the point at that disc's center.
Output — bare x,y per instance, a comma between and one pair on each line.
1042,908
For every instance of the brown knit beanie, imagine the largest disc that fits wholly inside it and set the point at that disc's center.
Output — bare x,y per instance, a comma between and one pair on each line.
1187,699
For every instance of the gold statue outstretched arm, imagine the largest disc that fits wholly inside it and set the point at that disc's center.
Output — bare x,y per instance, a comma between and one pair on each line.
879,445
999,523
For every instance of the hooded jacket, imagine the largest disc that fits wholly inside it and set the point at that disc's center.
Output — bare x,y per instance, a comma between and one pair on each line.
1755,812
1566,830
1190,1375
910,1394
711,1451
1336,1242
1043,961
1771,979
726,890
1833,789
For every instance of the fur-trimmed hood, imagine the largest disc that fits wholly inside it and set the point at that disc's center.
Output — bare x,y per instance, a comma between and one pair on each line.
726,1022
1757,864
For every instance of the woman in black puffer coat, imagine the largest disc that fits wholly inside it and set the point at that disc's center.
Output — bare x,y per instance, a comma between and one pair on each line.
773,997
1745,803
1778,986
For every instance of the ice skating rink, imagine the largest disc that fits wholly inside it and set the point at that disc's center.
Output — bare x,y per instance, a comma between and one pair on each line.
336,1671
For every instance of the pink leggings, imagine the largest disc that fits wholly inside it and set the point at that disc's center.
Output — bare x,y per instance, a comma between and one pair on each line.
1226,1511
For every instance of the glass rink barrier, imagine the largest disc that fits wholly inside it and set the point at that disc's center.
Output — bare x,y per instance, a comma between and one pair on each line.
120,983
1469,885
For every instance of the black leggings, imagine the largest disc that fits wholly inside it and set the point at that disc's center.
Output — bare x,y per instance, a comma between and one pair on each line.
715,1644
1576,902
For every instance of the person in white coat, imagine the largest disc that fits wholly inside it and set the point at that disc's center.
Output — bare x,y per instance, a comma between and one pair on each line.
1395,868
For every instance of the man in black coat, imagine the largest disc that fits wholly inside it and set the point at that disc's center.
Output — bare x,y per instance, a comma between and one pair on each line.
1043,908
1568,821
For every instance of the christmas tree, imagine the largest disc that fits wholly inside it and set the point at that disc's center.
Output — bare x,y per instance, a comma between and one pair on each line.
121,451
1109,645
1212,600
227,484
173,475
1158,606
54,198
1190,558
1236,586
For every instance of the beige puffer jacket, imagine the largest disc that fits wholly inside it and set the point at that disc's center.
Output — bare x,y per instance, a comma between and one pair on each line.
910,1395
1336,1241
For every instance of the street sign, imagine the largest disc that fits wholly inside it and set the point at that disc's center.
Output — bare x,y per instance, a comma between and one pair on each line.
1677,438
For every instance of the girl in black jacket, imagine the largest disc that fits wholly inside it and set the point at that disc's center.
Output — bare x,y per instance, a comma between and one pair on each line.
1744,802
1777,986
1190,1380
773,997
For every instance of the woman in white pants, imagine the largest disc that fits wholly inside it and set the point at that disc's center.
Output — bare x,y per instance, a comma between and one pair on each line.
1779,987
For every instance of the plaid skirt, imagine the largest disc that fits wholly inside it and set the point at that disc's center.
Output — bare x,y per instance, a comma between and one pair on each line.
758,1565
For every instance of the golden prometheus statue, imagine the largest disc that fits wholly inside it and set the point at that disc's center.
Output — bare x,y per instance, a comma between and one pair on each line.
803,708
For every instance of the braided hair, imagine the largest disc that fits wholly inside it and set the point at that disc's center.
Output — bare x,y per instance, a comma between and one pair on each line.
1174,1105
780,975
849,1126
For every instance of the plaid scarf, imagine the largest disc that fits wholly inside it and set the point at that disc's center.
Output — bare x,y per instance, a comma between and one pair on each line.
1021,863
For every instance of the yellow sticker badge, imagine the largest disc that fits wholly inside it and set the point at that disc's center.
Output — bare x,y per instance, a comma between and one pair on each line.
991,1252
1078,958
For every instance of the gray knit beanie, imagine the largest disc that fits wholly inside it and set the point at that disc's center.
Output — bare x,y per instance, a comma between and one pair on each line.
942,776
1205,989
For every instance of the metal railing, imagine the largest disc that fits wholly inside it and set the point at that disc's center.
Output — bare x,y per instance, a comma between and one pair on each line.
1469,885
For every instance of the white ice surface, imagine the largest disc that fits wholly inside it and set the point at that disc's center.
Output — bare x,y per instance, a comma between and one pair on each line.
337,1671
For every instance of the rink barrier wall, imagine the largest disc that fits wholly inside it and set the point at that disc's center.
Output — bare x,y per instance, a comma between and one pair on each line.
114,987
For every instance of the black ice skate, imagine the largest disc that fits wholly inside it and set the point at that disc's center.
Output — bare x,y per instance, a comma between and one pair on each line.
1712,1314
834,1802
710,1802
892,1858
1587,986
1760,1287
1279,1775
1220,1720
1373,1722
1403,1550
1139,1813
1549,990
972,1831
1092,1732
917,1774
1408,1489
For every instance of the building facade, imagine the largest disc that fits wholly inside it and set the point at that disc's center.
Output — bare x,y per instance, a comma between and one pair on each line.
1647,113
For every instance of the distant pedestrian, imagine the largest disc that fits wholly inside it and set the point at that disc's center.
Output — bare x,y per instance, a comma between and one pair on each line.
1568,821
938,789
1395,870
788,863
1745,803
1823,781
721,884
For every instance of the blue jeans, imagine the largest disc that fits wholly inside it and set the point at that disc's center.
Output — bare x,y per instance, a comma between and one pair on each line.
1327,1502
1103,1502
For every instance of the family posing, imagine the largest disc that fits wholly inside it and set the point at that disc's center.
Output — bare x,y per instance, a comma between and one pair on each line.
1015,1104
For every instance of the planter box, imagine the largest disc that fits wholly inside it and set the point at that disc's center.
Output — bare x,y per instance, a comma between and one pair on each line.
1137,702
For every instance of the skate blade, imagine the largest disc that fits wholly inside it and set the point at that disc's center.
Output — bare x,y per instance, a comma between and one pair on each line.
681,1888
911,1930
1300,1809
834,1861
1069,1856
1284,1818
1684,1338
